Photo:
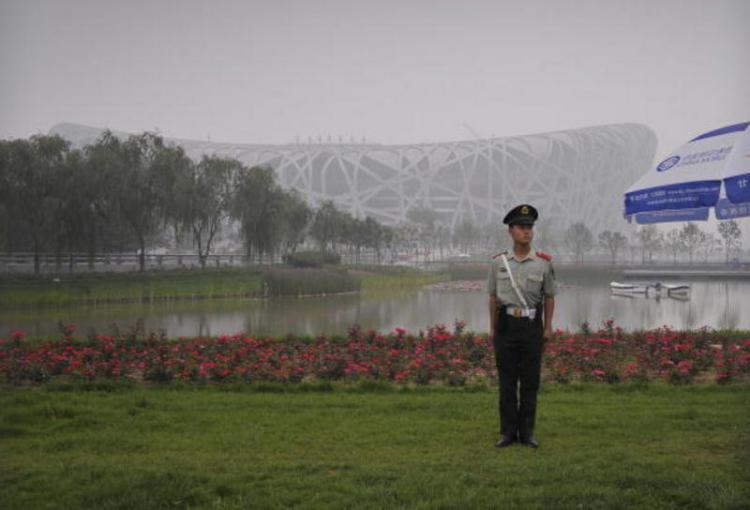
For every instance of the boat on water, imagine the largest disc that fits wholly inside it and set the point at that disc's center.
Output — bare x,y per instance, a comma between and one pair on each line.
657,289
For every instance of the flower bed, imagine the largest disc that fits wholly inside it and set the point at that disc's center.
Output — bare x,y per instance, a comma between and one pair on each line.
437,355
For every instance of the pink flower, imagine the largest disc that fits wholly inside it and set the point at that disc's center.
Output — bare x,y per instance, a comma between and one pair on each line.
603,341
631,368
17,335
401,375
685,366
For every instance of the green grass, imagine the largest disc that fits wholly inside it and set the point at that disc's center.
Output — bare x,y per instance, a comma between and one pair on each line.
129,287
468,271
377,278
33,292
286,281
370,446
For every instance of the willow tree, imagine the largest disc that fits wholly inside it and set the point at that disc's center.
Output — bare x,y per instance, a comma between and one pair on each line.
202,200
142,173
252,206
32,188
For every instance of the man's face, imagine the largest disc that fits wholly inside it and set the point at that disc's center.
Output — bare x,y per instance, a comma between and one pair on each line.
522,234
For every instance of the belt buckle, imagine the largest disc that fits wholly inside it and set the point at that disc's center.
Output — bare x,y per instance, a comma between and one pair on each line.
517,313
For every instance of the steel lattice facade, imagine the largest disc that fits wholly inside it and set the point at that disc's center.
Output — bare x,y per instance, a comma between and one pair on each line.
570,176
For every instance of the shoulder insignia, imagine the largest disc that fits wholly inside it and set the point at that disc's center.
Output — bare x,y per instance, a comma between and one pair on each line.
496,255
545,256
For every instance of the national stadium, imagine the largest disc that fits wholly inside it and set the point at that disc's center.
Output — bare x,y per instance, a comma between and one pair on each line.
576,175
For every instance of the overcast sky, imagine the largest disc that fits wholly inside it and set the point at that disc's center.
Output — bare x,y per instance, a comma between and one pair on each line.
390,71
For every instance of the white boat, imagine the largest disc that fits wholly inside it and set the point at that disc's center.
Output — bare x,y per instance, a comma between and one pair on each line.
650,289
627,288
677,290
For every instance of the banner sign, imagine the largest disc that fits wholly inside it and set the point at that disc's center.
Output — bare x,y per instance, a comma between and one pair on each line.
726,210
647,218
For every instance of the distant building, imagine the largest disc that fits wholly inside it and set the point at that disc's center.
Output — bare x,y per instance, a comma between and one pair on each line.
570,176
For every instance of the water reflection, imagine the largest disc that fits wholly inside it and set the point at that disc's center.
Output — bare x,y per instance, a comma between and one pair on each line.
716,304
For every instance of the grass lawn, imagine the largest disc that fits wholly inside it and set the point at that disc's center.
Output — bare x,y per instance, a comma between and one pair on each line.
371,447
26,291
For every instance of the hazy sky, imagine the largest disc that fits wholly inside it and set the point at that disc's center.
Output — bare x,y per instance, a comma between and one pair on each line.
391,71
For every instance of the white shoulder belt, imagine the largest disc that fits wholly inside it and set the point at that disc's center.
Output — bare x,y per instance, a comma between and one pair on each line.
513,282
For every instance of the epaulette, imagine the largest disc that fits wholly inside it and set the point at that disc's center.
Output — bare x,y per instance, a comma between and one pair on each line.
496,255
545,256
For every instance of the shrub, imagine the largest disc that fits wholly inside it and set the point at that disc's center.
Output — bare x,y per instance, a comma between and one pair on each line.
468,271
309,281
303,259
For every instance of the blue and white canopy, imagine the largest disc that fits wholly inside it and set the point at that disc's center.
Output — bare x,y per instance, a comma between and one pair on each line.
711,170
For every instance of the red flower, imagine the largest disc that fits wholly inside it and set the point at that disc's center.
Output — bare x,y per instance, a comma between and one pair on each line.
17,335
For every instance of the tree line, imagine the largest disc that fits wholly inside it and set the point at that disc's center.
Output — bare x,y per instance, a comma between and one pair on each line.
121,195
688,240
115,196
685,241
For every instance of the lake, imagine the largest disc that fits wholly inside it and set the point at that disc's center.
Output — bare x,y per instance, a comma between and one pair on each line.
714,303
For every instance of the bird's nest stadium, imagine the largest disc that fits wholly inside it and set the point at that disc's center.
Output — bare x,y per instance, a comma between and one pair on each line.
571,176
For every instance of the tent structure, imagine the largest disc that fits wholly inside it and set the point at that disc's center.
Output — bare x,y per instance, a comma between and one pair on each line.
711,171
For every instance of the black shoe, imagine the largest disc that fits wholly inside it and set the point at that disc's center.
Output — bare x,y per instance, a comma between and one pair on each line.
505,441
530,442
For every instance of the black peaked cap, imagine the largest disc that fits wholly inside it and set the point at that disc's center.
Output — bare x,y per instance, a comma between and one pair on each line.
523,214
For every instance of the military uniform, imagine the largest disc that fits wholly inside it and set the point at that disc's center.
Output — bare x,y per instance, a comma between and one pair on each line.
518,339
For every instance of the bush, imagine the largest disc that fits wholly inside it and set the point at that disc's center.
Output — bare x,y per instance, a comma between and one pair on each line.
312,259
308,281
468,271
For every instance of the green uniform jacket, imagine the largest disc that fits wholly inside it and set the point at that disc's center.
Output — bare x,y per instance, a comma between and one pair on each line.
534,276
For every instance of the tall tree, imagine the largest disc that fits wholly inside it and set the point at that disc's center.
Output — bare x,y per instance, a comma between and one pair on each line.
87,213
613,242
296,216
674,243
374,235
730,234
442,237
202,199
708,244
691,236
650,240
5,188
424,220
33,176
579,240
253,206
327,226
465,235
143,172
357,234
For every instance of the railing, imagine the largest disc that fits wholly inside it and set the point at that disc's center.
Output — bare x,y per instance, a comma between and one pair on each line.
70,262
23,262
49,263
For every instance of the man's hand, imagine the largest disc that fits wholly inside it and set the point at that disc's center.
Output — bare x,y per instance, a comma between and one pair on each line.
547,335
549,310
493,315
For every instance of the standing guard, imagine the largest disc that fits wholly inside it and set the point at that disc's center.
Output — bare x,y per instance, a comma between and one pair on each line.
521,286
